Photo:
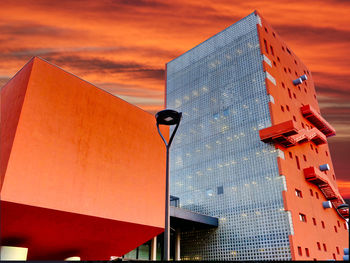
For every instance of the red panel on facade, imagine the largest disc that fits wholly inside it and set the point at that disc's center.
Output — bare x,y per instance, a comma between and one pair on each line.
285,129
81,153
316,119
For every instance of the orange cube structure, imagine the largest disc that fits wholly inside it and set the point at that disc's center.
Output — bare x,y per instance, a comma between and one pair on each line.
82,171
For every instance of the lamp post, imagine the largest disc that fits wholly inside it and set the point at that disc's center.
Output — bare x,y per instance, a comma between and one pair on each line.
169,118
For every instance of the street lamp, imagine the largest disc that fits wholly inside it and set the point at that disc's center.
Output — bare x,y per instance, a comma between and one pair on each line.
167,117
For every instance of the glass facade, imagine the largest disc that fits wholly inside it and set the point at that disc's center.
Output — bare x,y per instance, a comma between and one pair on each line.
218,165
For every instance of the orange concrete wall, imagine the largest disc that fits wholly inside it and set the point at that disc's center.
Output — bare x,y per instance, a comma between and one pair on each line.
79,149
12,97
286,67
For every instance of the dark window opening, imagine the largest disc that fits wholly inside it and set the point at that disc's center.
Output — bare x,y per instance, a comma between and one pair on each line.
338,252
314,221
304,156
297,160
324,247
298,193
311,192
335,229
316,195
289,93
318,245
307,252
282,108
295,119
299,251
322,223
290,155
278,59
220,190
288,51
302,217
266,49
273,53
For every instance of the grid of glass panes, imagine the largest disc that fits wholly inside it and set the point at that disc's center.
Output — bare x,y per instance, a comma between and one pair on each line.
218,165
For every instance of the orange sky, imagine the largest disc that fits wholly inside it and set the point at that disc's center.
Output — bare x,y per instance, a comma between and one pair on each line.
122,46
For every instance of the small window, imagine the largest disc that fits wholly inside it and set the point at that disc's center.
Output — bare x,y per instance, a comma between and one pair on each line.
295,96
316,150
318,245
289,70
266,30
311,147
311,192
295,73
305,89
283,85
322,223
289,93
282,108
333,177
274,35
335,229
295,62
326,153
274,63
278,59
282,48
285,70
334,256
304,156
338,252
220,190
345,226
300,251
295,119
290,155
314,221
271,48
298,193
288,51
265,44
287,107
302,217
302,124
307,252
297,160
338,223
324,247
316,195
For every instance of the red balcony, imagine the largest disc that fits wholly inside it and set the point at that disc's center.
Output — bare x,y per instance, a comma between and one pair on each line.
316,177
317,120
287,134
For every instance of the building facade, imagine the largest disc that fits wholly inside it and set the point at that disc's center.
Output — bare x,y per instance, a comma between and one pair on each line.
77,177
252,150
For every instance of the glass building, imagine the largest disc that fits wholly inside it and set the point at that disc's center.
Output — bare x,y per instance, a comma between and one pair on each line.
218,164
230,88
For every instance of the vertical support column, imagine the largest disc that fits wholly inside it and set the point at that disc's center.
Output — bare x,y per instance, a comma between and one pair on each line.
13,253
154,248
177,244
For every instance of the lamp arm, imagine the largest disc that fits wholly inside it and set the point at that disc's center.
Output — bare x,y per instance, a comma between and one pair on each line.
165,142
173,134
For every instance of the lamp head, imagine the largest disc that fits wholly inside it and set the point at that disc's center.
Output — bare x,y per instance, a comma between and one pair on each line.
168,117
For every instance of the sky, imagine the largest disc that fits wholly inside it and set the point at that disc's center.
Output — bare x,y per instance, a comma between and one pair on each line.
122,46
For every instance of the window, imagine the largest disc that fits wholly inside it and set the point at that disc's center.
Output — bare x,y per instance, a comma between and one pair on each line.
311,147
334,256
278,59
290,155
295,96
326,153
304,156
314,221
322,223
338,252
324,247
316,150
302,217
300,251
333,177
307,252
220,190
266,49
311,192
266,30
335,229
295,119
288,51
287,107
318,245
338,223
289,70
297,160
345,226
282,108
295,62
302,124
274,35
283,48
283,85
305,89
271,48
298,193
274,63
285,70
316,195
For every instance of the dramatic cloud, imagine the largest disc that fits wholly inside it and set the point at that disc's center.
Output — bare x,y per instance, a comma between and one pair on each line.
122,45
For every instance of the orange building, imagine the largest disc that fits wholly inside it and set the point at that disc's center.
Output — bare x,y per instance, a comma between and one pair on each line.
82,171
